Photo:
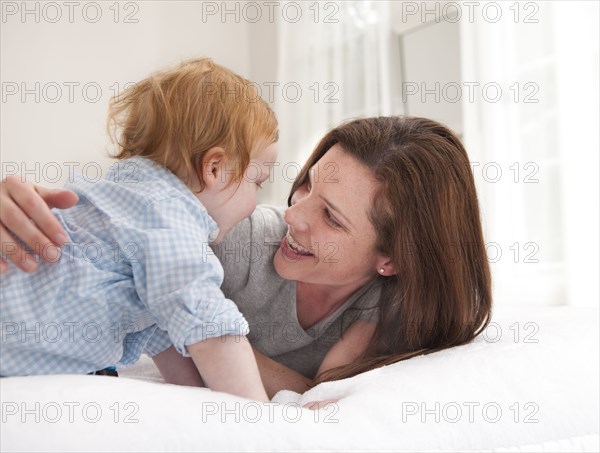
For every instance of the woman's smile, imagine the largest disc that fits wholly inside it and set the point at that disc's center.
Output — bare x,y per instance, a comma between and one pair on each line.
293,250
295,245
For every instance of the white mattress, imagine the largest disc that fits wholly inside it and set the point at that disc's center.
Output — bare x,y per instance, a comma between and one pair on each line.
504,392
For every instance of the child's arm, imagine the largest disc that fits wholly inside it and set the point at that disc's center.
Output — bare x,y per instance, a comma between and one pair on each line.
177,369
180,370
227,364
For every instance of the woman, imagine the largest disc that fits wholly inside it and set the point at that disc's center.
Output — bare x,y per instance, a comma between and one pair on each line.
379,257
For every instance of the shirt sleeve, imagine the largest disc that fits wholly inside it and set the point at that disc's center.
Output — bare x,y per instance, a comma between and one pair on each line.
176,274
134,344
157,343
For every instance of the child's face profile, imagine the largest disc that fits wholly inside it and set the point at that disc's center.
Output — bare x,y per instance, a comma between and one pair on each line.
230,204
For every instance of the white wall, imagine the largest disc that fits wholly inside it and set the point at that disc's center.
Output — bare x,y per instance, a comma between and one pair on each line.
53,130
559,213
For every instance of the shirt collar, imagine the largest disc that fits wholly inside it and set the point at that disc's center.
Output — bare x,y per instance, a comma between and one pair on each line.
213,228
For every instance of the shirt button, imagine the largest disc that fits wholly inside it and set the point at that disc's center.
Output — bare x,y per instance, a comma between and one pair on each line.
213,235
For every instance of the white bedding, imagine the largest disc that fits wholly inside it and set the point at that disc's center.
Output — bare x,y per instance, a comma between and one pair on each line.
496,394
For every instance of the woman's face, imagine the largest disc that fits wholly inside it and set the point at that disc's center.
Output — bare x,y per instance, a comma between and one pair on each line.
330,238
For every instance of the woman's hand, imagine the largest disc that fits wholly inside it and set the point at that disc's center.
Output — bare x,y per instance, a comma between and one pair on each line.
25,213
316,405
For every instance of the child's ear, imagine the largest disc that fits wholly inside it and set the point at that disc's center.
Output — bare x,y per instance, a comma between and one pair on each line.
212,170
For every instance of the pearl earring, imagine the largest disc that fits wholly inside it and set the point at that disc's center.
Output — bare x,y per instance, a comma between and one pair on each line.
382,270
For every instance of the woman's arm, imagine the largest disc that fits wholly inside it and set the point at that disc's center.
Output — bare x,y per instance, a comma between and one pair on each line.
349,347
276,376
25,213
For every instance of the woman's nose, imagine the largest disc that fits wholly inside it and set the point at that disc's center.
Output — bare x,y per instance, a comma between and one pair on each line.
299,194
296,218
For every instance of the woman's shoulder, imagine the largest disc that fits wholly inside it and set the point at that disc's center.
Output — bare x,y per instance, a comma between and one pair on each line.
251,244
269,223
263,227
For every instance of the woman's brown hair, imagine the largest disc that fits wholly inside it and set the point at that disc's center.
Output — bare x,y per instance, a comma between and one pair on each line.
426,216
175,115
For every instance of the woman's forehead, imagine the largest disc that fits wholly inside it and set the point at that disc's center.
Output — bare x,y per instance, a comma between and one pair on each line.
345,182
338,165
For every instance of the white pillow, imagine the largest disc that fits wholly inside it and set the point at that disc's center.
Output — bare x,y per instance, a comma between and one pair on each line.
504,392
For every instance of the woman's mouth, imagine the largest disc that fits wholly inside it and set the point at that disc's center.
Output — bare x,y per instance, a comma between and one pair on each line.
294,250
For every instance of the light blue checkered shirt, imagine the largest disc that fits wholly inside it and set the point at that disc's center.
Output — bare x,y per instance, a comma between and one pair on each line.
138,259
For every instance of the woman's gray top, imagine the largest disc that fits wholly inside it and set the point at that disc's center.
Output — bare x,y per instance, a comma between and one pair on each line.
269,302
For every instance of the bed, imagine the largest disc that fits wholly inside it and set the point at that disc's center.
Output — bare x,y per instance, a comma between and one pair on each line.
530,383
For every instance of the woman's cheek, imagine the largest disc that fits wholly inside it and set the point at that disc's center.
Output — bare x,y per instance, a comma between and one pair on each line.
330,251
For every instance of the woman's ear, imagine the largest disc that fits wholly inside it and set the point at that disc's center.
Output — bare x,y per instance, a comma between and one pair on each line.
385,266
213,171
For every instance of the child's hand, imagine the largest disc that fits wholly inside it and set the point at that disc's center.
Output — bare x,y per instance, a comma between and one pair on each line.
316,405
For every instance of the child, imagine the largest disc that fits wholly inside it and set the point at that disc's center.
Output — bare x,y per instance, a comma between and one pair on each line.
195,144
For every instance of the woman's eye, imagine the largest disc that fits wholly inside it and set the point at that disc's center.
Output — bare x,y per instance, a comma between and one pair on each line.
331,220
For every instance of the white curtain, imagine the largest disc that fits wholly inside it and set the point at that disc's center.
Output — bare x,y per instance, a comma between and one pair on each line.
534,151
541,213
333,65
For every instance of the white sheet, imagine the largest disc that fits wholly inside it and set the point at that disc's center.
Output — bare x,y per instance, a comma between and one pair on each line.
546,392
